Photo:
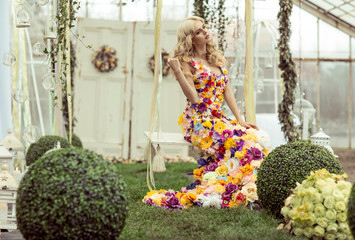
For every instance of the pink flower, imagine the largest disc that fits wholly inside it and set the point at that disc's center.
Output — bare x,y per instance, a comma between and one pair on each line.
226,134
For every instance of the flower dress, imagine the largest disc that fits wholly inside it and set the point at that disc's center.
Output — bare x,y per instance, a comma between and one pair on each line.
226,175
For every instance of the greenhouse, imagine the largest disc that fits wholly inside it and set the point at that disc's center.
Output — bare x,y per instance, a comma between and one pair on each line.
246,116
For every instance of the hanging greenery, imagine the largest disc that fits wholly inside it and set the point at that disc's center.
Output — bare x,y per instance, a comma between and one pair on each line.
213,12
287,67
62,19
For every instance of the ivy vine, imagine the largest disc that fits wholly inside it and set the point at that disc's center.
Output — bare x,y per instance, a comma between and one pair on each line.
213,12
287,67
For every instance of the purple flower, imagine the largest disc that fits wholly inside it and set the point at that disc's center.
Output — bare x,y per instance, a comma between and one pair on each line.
205,100
247,159
149,201
220,156
173,203
201,162
230,188
240,145
217,136
202,107
226,196
168,194
256,153
237,132
210,167
193,185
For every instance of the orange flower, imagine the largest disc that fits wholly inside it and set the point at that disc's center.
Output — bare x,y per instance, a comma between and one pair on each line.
198,172
233,204
222,182
247,169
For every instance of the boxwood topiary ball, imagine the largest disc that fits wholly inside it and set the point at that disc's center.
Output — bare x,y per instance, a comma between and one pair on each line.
286,165
351,210
45,143
71,193
75,141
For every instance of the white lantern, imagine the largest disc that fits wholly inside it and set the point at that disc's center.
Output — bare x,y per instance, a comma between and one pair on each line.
5,155
17,150
23,17
323,140
8,194
51,29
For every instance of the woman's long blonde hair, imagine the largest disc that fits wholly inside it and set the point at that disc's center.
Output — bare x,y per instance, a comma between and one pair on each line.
184,48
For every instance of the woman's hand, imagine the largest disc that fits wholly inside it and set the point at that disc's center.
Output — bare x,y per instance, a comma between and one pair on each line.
249,125
174,63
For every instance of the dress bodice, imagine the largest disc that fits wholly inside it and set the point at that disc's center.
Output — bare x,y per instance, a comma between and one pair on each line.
210,88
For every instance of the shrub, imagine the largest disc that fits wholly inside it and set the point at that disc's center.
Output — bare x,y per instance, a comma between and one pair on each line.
45,143
71,194
75,141
351,210
286,165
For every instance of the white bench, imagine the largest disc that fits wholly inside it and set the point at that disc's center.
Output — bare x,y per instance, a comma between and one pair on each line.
163,138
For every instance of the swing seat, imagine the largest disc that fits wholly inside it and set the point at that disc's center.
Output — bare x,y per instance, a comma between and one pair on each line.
165,138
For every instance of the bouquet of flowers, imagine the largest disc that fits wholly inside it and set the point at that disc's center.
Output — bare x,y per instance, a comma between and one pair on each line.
317,208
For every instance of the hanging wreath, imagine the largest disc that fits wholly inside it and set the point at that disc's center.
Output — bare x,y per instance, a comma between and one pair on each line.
105,59
165,65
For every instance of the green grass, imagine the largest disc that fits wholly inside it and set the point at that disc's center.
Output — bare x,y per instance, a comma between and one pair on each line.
146,222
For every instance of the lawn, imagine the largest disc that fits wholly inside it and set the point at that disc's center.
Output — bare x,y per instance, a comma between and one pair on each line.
146,222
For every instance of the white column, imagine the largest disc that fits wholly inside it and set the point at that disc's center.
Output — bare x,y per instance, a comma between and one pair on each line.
5,77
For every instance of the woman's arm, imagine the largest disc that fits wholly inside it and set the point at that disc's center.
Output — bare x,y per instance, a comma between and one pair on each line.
185,80
232,104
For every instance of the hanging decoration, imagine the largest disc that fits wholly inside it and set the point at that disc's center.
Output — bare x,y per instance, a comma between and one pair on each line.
22,17
38,48
287,67
9,59
105,59
165,65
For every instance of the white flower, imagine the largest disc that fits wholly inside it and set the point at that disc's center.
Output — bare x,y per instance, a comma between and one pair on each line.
213,200
338,195
249,190
263,139
209,175
255,163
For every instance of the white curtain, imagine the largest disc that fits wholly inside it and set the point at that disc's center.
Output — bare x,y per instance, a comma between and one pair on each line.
5,77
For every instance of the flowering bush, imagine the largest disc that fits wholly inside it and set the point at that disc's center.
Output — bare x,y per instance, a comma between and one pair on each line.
318,207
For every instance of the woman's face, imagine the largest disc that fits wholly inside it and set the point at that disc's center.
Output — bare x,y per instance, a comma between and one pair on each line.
201,35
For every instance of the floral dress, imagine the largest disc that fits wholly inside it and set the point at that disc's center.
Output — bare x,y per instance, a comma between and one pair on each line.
226,175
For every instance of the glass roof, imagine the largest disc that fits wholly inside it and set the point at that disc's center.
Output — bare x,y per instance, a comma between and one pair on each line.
339,10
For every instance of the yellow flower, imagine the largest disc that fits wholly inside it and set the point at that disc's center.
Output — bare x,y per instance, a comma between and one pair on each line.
249,190
219,127
198,86
207,124
233,204
266,152
195,139
225,71
219,188
181,119
213,77
151,193
247,169
238,178
222,170
240,154
206,142
229,143
234,121
249,136
200,67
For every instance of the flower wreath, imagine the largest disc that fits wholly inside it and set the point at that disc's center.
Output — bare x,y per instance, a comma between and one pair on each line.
105,59
165,65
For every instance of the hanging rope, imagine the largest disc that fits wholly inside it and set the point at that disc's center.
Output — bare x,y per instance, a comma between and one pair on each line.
156,94
248,80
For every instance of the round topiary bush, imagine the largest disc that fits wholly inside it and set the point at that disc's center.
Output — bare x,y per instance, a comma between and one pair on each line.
286,165
45,143
351,210
71,193
75,141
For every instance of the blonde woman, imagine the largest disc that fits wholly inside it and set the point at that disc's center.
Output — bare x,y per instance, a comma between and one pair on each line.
233,149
